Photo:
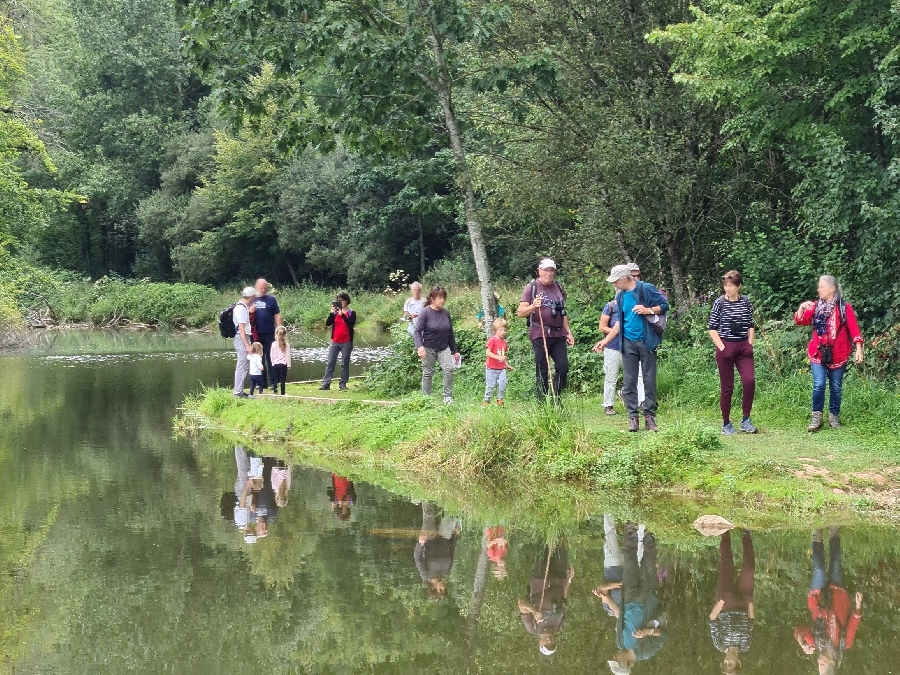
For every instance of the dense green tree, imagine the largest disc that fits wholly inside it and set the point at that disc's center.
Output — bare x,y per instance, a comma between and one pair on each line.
812,86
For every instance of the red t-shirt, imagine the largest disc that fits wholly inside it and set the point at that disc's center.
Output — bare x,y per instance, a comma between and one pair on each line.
341,333
498,346
341,487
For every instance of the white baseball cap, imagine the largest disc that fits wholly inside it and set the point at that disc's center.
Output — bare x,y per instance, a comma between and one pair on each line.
547,264
618,669
249,292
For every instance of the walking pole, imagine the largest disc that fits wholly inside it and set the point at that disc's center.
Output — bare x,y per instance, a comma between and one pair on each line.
546,354
546,574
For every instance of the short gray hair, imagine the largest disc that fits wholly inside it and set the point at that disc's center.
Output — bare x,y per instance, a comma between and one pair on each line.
414,285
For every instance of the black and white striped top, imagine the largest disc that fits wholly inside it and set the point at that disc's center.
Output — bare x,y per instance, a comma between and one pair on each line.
732,320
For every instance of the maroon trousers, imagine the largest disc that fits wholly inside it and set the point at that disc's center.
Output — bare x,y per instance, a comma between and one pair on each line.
737,594
736,355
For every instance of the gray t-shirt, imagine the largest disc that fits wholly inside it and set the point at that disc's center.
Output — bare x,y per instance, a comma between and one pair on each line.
241,315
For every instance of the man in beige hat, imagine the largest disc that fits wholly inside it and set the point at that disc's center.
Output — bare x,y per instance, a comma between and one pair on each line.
241,317
640,305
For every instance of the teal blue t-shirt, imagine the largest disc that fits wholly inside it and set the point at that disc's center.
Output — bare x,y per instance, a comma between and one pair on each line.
634,620
633,323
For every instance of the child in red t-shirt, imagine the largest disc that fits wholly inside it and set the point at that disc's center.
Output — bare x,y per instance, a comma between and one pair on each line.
496,365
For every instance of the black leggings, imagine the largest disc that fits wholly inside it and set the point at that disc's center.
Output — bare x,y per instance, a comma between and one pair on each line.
279,376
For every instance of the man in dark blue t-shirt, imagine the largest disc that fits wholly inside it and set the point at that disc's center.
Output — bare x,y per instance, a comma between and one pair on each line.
268,316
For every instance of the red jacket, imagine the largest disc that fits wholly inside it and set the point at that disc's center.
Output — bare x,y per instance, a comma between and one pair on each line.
841,336
837,618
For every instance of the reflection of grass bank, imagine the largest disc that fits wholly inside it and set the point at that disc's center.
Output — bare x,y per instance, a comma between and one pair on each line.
522,449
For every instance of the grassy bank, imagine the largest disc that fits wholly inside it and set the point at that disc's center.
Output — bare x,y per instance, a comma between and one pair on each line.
528,450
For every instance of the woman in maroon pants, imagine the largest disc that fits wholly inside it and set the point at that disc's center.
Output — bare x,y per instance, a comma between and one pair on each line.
732,329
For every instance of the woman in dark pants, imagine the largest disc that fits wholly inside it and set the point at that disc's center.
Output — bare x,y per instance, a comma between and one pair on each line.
341,320
733,331
731,619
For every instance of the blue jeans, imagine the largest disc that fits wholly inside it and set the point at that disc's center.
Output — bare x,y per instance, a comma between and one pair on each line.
835,379
820,577
494,378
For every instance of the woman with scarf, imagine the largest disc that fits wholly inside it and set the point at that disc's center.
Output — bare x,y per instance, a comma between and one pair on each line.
835,331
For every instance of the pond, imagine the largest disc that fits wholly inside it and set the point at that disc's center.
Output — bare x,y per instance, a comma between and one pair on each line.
127,550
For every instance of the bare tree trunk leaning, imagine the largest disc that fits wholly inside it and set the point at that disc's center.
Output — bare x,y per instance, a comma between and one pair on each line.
444,89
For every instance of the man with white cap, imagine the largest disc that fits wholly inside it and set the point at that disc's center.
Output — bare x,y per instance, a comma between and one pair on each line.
543,303
640,306
241,317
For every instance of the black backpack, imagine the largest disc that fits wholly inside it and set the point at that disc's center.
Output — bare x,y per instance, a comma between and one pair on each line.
227,329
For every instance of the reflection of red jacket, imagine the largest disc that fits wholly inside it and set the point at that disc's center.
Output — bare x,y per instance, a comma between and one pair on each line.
837,618
836,335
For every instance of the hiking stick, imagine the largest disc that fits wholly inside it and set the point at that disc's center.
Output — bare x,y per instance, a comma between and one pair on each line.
546,354
546,574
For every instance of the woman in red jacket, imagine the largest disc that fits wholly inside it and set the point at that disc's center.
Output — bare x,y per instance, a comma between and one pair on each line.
835,331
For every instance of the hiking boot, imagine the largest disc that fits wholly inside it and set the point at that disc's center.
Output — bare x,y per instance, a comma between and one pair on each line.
500,402
816,422
448,400
610,411
633,424
834,421
747,427
650,423
485,404
243,394
728,430
325,387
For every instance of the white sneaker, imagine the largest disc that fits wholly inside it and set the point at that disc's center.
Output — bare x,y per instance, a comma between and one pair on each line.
448,400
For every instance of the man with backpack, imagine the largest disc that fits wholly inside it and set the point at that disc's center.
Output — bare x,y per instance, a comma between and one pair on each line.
642,310
543,303
240,318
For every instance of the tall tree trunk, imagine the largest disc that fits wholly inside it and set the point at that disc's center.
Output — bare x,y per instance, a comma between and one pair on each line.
421,250
293,273
444,88
477,599
676,267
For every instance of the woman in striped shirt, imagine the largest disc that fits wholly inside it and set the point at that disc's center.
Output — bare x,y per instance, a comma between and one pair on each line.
733,330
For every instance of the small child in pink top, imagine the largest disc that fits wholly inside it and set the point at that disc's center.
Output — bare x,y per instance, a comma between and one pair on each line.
280,354
496,365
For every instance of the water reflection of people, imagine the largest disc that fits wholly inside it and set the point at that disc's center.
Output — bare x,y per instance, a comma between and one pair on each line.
497,548
731,618
543,611
833,627
255,502
613,566
281,481
342,495
435,550
640,621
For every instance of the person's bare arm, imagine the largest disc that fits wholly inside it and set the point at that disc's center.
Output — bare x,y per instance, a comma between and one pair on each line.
714,614
751,336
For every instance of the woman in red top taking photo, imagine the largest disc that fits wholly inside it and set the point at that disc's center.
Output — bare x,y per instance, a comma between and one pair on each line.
341,321
835,331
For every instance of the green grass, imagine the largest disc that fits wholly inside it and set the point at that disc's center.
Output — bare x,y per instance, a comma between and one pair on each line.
527,448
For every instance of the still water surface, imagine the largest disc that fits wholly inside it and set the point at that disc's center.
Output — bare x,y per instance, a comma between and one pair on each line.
125,550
